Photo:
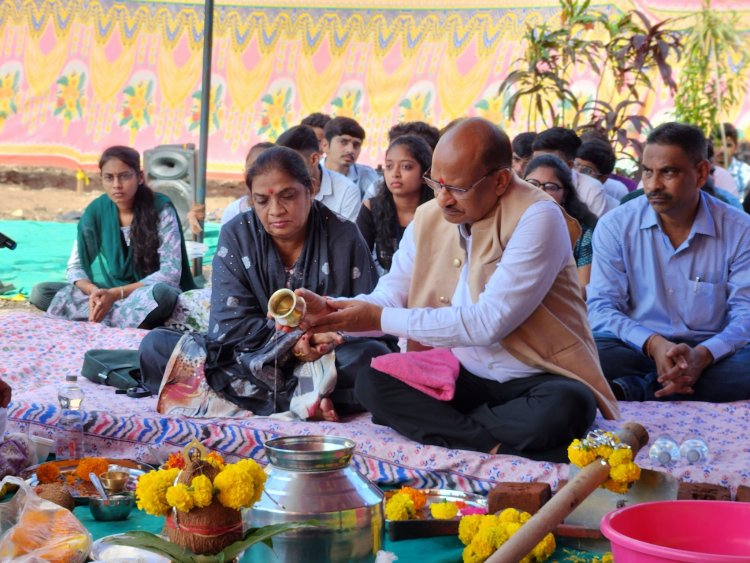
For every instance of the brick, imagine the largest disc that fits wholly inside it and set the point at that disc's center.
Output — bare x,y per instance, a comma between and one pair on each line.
743,494
523,496
702,491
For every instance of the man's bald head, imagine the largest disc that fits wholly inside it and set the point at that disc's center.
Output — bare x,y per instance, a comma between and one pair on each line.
475,142
471,169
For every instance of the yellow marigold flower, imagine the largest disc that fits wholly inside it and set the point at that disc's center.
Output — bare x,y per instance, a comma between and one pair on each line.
545,548
603,451
470,556
253,471
418,497
236,488
620,456
151,491
509,515
512,527
179,497
215,460
487,540
579,454
489,521
203,491
524,517
443,510
615,487
468,527
399,507
626,473
607,558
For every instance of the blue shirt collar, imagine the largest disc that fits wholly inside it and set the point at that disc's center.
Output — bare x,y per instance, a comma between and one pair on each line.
703,224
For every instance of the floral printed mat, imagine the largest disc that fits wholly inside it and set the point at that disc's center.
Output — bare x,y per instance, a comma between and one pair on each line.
37,352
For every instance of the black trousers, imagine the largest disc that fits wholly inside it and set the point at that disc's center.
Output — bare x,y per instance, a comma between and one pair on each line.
352,357
535,417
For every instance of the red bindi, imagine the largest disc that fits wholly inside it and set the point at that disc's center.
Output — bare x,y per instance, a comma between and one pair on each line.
270,192
441,180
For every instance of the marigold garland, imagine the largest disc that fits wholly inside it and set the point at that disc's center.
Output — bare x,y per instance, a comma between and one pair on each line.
484,534
237,485
607,446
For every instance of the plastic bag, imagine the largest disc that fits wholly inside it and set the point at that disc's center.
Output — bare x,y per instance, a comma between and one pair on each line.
34,530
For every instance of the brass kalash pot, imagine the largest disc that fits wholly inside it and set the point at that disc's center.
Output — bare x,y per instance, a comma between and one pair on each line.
309,477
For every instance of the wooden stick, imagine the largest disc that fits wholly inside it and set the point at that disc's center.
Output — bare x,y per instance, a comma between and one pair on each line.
565,501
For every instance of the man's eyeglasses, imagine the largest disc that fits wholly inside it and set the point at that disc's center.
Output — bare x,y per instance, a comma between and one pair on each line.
122,177
583,169
454,191
549,187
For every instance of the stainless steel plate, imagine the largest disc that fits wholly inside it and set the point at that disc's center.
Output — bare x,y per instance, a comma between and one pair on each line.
105,551
442,495
82,491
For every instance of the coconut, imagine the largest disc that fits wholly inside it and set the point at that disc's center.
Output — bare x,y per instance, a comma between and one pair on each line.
57,493
208,530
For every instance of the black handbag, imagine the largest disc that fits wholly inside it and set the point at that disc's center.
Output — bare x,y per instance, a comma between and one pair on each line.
115,368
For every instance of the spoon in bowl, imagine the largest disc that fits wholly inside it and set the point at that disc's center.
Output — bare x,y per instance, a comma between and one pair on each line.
98,486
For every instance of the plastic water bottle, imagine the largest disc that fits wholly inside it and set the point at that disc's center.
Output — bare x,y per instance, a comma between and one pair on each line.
694,449
664,450
69,436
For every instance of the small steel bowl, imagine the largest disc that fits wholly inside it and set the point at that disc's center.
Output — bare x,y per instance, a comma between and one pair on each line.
116,507
114,481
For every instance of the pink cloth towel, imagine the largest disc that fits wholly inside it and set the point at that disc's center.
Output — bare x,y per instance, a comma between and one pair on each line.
433,372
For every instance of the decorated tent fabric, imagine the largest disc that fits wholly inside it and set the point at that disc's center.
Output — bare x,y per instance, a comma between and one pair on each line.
76,76
36,353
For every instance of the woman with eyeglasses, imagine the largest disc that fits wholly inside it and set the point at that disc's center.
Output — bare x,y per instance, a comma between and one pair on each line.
549,173
129,261
383,219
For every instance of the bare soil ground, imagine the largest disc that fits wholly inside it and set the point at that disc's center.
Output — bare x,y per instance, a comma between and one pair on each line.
44,194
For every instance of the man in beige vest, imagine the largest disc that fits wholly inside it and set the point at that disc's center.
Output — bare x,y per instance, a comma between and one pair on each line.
485,270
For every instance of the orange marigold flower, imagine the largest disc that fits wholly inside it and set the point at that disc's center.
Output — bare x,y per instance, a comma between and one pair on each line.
417,497
95,465
47,473
175,461
215,459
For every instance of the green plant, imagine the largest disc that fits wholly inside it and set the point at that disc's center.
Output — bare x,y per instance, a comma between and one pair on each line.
713,78
625,50
544,71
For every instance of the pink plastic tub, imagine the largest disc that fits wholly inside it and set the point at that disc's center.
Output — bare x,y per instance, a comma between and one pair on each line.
705,531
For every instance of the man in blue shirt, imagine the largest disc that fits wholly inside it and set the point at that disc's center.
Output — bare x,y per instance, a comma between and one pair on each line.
669,297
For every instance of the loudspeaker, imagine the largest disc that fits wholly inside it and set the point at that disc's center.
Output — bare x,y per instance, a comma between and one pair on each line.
171,170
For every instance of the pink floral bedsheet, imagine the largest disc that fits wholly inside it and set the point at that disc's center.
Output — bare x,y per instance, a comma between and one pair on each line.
36,353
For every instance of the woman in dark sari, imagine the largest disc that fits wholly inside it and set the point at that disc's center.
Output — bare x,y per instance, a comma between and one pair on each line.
287,240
